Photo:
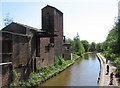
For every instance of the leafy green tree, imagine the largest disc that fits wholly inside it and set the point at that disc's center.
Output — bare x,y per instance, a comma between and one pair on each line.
112,41
118,31
8,20
92,47
99,47
78,47
105,44
85,44
117,63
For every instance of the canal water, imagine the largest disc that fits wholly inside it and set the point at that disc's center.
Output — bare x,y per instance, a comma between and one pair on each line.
84,72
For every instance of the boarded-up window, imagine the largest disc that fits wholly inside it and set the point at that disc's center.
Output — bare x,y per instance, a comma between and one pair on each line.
7,46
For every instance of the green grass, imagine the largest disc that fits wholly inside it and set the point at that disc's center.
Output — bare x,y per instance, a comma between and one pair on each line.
102,59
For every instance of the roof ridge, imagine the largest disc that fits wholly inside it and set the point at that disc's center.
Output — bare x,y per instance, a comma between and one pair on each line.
26,25
52,7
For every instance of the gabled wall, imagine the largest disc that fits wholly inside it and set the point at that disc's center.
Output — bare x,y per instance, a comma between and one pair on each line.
15,28
52,21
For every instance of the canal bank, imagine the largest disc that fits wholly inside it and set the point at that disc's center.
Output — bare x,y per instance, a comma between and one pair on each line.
43,73
57,72
84,72
104,80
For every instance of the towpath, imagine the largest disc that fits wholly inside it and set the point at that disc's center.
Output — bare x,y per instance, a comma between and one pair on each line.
105,79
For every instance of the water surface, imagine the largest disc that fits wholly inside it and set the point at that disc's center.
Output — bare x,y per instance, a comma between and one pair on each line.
84,72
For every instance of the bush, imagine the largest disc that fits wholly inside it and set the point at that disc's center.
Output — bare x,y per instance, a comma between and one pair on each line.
14,75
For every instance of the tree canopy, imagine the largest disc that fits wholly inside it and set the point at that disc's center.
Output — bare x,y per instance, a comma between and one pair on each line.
8,19
85,44
76,45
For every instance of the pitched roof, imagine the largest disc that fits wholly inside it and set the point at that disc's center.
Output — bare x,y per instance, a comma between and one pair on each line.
29,27
53,8
40,32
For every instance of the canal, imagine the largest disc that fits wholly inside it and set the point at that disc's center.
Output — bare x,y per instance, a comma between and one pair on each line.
84,72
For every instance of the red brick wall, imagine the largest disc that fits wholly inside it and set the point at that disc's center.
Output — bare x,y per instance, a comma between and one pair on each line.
22,55
46,58
6,74
20,50
55,27
6,58
51,19
58,26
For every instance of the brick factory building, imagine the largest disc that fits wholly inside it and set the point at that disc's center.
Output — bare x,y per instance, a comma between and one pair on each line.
25,47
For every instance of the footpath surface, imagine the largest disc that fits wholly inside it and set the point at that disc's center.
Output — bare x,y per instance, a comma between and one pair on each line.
105,79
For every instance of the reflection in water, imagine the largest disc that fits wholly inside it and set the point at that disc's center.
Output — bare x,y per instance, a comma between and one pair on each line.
84,72
93,56
86,56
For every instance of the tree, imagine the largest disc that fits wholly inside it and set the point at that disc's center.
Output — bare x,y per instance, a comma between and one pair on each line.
92,47
112,40
99,47
78,45
86,45
111,46
118,36
8,20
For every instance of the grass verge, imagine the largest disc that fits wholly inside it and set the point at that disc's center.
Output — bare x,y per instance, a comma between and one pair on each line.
101,59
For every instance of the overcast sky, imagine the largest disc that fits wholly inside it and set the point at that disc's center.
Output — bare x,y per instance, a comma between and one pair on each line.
92,19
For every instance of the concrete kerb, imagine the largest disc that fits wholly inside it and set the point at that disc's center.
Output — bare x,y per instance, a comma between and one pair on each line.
100,80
